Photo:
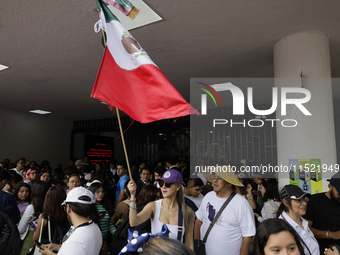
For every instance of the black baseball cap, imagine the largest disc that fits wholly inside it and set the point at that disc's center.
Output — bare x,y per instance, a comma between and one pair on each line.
335,181
292,192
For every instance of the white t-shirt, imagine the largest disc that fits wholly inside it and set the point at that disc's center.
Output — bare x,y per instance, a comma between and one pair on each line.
86,240
236,221
305,233
197,200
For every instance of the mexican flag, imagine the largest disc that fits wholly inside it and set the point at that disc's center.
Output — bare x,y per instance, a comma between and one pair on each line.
130,81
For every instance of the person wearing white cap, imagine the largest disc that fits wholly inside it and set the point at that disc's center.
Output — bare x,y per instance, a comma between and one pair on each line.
86,238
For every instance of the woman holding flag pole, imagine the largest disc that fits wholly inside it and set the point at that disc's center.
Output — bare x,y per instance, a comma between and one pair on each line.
171,210
122,67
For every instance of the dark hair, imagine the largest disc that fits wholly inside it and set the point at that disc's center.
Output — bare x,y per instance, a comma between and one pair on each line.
16,191
93,188
283,207
18,160
35,165
272,191
5,164
70,170
99,175
101,165
73,175
166,246
45,171
147,194
176,168
52,206
4,175
170,160
194,182
85,210
268,228
145,168
123,165
45,164
57,174
39,190
15,177
160,170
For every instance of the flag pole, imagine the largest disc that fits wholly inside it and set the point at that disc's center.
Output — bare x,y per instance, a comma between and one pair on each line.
120,124
123,140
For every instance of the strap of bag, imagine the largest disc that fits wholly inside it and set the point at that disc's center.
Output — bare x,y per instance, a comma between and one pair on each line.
49,230
180,223
302,242
41,228
218,215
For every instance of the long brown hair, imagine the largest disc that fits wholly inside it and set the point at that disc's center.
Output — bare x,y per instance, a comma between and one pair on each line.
53,209
188,214
147,194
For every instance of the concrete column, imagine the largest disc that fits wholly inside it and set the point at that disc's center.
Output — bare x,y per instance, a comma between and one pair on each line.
314,136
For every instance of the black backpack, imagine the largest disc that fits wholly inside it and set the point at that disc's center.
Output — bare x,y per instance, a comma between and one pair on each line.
120,236
11,243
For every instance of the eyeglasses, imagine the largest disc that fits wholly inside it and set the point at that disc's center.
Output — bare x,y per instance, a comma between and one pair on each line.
304,199
167,184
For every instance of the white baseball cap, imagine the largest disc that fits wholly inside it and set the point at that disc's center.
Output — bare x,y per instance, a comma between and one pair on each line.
74,195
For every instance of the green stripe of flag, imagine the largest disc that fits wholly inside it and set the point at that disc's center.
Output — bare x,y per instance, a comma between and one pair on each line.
125,3
109,16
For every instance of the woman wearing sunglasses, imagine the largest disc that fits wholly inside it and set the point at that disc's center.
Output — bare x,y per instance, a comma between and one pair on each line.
169,210
293,206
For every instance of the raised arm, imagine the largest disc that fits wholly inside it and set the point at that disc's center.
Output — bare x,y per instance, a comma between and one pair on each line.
147,213
250,197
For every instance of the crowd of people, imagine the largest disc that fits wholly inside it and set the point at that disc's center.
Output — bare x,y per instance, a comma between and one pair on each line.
102,209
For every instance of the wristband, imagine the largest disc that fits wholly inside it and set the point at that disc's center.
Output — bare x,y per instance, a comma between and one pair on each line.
132,206
327,234
132,200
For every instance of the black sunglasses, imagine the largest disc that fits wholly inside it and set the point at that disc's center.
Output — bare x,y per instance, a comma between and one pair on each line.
167,184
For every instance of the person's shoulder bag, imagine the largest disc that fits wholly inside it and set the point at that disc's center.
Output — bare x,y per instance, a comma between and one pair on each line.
199,245
36,249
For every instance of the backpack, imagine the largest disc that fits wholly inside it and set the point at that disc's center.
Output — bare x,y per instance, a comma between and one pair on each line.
60,231
120,236
11,243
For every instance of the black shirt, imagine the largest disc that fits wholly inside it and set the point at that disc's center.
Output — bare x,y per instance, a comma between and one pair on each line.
325,214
